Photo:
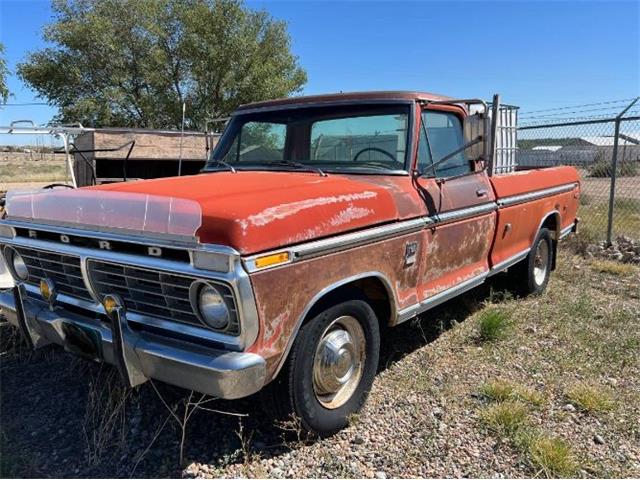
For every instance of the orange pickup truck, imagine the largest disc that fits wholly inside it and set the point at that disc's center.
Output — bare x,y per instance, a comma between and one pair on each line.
316,222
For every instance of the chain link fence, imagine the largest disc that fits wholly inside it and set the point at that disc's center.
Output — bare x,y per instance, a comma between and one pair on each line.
606,152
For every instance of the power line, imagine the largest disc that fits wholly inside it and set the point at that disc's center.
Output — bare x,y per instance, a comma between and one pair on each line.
614,110
580,106
606,118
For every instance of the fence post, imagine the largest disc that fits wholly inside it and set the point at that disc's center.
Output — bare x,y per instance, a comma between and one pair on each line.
614,171
612,190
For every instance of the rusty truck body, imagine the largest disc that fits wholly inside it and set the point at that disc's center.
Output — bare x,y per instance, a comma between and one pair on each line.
316,222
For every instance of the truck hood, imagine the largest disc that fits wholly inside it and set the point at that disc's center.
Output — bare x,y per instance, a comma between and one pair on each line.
258,211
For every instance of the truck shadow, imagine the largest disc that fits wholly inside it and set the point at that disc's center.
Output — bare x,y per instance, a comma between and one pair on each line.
100,430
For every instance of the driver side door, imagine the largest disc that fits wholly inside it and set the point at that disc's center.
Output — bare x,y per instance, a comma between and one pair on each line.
461,206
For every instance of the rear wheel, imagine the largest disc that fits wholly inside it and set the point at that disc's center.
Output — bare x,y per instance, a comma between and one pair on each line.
330,369
532,274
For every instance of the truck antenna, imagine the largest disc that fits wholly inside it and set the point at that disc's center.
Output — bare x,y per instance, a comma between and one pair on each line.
184,108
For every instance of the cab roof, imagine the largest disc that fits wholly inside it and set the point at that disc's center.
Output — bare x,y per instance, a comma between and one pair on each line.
345,98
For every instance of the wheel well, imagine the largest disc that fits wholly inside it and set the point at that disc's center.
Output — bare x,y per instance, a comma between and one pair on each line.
370,289
552,223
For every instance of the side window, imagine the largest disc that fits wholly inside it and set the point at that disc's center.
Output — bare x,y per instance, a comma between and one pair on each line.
424,153
444,136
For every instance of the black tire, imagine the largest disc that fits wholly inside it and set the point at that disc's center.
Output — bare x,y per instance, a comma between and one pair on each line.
527,274
293,391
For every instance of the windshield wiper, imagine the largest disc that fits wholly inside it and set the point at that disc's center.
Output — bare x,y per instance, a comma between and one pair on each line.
300,166
223,163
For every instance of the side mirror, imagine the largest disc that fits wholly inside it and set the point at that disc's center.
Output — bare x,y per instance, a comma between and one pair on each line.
476,125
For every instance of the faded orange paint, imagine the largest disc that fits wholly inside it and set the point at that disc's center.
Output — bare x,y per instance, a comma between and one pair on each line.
518,224
516,183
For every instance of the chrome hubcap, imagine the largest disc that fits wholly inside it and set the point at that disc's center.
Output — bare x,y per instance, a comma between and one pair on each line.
540,263
338,362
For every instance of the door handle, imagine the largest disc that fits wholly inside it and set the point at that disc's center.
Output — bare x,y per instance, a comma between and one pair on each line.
482,192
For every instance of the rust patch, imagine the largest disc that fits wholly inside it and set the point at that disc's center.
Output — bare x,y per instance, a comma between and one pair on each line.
454,253
282,294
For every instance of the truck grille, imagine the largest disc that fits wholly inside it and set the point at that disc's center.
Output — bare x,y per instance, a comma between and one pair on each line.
147,292
63,270
150,293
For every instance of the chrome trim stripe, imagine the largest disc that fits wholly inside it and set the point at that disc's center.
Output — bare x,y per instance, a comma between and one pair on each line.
359,238
525,197
464,213
503,265
566,231
120,236
441,297
369,235
382,277
341,242
362,237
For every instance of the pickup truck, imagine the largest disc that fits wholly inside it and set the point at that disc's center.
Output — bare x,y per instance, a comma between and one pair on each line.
316,223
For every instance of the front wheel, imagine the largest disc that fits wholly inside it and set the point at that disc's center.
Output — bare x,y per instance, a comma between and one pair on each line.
331,367
532,274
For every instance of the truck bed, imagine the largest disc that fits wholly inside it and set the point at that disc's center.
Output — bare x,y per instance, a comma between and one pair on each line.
526,200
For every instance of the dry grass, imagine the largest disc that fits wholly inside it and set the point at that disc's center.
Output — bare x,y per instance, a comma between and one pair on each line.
626,220
506,418
499,390
552,457
590,398
511,418
33,172
13,344
105,418
613,268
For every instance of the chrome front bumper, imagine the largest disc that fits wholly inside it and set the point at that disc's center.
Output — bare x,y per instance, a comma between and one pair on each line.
137,355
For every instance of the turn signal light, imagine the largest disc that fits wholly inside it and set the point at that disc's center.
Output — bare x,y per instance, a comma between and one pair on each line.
47,289
111,303
273,259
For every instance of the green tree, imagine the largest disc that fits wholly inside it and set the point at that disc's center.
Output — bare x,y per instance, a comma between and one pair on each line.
4,71
134,62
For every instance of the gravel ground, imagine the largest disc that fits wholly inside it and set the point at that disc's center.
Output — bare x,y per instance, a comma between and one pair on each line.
63,417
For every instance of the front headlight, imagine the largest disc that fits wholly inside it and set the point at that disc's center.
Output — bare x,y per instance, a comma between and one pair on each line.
212,307
16,264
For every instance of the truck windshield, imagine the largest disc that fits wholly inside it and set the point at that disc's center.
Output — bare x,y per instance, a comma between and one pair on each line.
366,138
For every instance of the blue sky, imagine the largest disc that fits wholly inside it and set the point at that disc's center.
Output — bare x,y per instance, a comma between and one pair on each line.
536,54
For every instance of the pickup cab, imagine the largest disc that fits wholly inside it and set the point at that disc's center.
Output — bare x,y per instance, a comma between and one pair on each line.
316,222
